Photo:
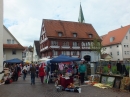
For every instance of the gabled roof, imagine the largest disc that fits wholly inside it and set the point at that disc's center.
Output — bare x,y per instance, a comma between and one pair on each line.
10,34
117,34
103,36
37,45
13,46
68,28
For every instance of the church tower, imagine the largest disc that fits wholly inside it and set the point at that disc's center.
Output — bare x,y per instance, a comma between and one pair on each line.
81,16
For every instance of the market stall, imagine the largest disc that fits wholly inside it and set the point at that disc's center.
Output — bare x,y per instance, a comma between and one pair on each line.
64,75
110,75
14,61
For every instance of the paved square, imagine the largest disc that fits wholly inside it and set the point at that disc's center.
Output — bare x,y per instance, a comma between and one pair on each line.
23,88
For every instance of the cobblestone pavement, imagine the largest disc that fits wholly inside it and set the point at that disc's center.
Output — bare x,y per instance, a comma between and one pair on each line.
25,89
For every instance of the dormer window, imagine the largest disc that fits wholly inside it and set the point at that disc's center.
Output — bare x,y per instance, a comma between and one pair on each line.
60,34
90,35
74,34
112,39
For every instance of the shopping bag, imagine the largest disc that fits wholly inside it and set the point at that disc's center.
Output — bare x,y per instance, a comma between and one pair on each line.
45,79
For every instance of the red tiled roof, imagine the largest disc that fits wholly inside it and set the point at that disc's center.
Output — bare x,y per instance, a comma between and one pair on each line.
67,28
13,46
118,35
103,36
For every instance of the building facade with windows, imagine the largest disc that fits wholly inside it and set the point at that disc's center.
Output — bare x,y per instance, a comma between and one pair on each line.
68,38
117,43
27,55
11,47
36,51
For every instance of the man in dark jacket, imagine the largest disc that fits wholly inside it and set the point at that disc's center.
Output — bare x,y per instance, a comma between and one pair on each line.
16,71
33,72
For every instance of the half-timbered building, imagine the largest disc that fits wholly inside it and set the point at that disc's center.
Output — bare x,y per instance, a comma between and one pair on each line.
68,38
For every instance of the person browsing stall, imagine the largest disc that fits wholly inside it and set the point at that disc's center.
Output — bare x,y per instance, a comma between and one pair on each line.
61,67
82,70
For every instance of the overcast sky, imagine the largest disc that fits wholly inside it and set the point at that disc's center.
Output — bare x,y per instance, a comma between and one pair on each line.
23,18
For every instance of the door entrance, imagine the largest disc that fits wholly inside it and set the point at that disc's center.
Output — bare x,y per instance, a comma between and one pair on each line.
87,58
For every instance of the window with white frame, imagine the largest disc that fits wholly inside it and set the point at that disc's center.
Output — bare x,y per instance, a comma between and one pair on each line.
13,52
59,34
88,44
44,35
74,34
12,41
111,53
124,45
64,52
117,52
91,43
55,53
125,52
75,44
112,39
127,46
8,41
74,53
54,43
65,43
41,38
126,37
83,43
90,35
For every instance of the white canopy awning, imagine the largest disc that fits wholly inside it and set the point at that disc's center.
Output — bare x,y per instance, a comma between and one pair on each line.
44,59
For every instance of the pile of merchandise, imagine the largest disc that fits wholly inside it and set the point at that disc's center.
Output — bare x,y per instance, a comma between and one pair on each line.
125,84
6,79
93,79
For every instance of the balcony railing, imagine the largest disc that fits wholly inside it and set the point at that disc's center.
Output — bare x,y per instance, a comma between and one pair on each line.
65,47
56,46
43,40
76,47
85,47
44,48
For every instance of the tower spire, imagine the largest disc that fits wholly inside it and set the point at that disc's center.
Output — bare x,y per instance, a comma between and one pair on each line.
81,16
